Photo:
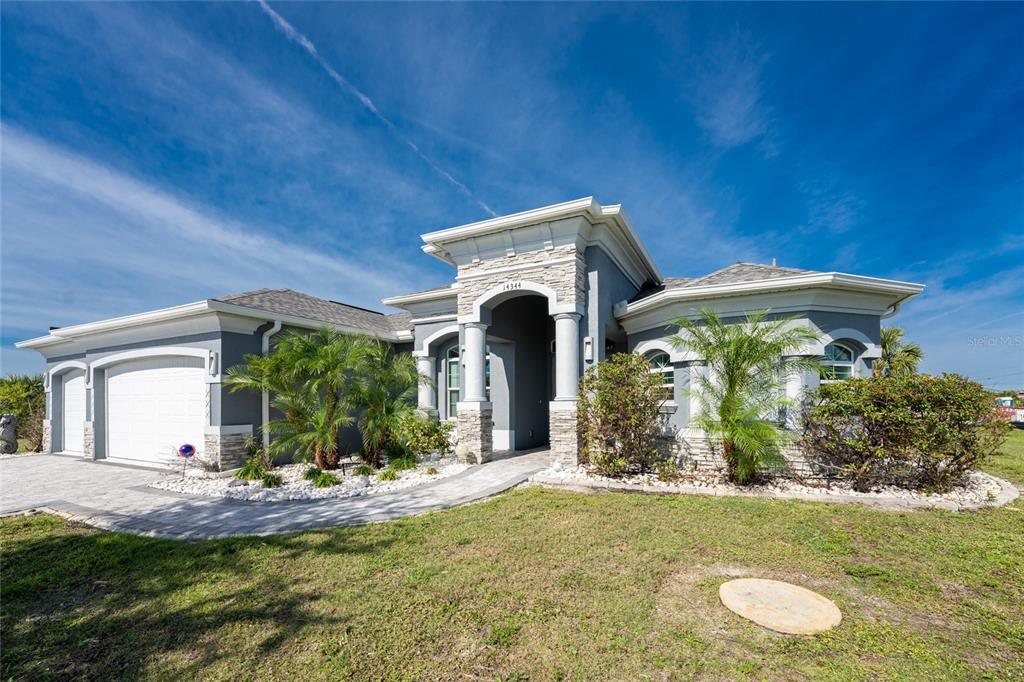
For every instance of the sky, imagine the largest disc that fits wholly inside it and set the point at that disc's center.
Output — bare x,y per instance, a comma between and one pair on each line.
155,154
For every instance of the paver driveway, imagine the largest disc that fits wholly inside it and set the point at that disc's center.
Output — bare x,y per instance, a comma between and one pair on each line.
116,498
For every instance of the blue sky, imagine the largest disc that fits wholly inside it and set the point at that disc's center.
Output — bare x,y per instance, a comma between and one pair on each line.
155,154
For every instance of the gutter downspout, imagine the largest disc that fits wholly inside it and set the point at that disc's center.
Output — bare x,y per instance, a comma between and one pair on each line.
893,309
266,394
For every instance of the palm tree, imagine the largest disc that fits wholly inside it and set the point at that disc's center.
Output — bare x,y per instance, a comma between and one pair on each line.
385,397
898,359
312,377
748,364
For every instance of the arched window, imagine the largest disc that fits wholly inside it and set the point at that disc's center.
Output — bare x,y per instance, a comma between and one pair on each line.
837,364
661,365
452,372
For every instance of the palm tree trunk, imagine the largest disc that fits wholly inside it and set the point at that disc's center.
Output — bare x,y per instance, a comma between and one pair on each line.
729,454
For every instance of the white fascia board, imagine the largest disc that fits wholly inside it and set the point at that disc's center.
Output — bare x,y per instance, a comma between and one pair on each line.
543,214
115,323
64,334
835,280
622,220
435,295
587,207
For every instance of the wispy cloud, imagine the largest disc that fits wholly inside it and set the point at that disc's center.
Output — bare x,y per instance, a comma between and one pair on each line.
83,241
727,93
299,38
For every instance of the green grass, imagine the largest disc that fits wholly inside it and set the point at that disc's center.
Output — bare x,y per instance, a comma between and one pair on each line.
535,584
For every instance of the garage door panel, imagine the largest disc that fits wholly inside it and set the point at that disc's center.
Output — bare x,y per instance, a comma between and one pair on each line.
153,406
73,402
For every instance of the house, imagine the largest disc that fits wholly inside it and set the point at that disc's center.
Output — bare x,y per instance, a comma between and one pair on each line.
537,297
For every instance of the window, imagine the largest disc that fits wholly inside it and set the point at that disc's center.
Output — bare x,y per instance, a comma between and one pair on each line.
452,381
453,376
660,364
837,364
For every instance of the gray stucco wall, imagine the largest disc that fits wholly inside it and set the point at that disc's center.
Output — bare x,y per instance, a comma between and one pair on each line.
606,285
825,321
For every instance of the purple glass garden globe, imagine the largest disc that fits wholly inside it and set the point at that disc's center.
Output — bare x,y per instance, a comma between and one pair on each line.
187,450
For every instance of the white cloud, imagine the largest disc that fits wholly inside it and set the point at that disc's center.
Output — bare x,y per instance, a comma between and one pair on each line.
83,241
727,93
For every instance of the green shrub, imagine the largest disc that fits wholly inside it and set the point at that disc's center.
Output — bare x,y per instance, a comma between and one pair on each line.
363,470
920,432
257,452
311,474
619,414
24,396
325,480
432,471
403,463
270,480
388,474
252,470
425,436
667,471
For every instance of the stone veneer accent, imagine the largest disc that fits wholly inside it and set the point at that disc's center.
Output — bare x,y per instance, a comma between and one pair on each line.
701,454
47,437
564,432
476,427
89,448
227,451
566,278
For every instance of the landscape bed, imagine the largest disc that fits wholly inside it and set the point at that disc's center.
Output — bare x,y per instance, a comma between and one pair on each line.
535,584
980,489
295,487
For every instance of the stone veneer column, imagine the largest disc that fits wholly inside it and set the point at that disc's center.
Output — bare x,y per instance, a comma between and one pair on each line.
427,396
89,440
47,437
475,413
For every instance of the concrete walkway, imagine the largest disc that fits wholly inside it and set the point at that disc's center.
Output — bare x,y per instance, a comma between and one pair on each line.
117,498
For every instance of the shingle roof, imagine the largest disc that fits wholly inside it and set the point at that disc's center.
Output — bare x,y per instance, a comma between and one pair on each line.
731,274
298,304
746,272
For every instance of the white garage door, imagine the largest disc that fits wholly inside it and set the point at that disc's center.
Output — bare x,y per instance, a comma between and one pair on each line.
73,400
154,405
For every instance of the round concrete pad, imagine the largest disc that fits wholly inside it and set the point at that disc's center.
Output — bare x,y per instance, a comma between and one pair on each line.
780,606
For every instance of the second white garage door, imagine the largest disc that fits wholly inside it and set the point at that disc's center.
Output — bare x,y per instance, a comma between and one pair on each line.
154,405
74,412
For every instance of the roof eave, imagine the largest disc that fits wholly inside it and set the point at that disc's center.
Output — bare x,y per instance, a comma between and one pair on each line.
418,297
833,280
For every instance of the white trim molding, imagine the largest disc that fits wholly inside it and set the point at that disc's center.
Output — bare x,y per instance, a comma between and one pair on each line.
209,358
872,350
443,332
661,345
67,365
900,291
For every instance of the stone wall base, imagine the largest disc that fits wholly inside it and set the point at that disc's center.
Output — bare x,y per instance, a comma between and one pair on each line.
700,454
564,432
225,450
47,437
476,432
89,445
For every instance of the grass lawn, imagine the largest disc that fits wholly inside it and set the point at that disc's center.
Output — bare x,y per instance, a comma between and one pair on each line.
535,584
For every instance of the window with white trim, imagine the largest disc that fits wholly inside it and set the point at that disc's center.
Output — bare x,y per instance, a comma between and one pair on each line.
452,377
837,365
661,365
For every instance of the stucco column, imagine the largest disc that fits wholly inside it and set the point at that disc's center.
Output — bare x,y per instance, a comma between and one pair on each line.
567,355
474,362
427,397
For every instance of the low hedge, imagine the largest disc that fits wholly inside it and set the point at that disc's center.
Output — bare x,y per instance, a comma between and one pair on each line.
919,432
